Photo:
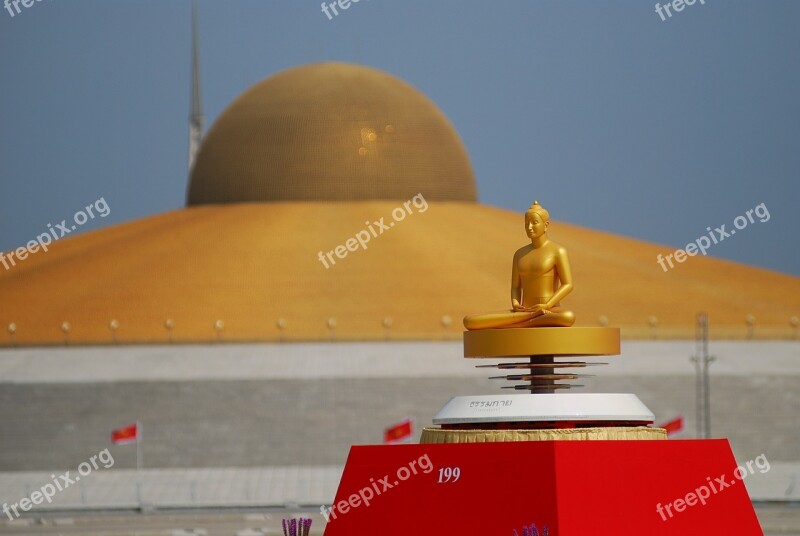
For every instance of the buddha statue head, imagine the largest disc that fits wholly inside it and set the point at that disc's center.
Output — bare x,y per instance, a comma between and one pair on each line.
537,219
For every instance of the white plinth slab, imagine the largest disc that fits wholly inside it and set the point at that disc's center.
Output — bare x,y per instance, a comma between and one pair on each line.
544,407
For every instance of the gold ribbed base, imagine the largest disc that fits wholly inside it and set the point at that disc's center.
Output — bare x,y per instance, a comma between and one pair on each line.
437,435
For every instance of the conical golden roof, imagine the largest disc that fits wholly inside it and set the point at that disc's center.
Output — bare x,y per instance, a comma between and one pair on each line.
250,265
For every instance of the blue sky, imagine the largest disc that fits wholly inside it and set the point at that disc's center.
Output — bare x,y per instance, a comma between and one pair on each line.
611,117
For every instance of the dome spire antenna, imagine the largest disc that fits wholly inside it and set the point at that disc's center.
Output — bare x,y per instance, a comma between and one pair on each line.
196,119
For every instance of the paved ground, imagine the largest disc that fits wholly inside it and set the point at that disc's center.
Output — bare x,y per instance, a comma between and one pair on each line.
253,523
308,485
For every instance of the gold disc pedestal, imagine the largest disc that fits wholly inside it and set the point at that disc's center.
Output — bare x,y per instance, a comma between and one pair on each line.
540,361
542,347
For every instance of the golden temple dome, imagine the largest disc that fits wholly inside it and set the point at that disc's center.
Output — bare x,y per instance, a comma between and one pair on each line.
331,132
281,180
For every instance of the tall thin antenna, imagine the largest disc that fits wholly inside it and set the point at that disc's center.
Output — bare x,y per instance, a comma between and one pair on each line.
196,119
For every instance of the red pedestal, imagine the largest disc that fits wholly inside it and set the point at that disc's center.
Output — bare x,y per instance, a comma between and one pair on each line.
574,488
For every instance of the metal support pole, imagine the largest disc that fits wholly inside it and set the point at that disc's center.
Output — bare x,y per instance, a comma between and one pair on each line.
702,362
541,386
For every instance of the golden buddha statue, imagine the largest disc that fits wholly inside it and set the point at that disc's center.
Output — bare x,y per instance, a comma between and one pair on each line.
540,279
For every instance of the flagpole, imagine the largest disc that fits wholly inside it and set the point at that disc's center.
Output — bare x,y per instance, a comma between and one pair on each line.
138,447
139,464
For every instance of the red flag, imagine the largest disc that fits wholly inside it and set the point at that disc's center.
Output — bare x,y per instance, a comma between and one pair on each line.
128,434
675,426
399,432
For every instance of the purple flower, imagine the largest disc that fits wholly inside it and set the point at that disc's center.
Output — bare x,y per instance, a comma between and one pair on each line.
533,530
285,532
